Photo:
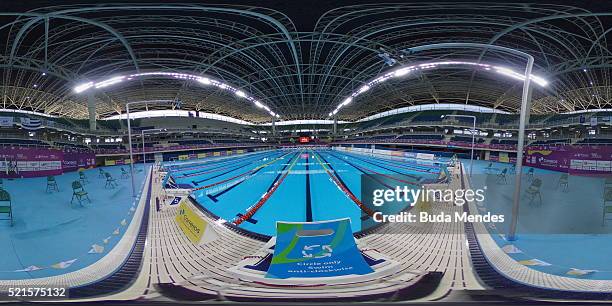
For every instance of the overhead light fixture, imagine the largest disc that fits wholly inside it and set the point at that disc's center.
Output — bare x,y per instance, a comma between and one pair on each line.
401,72
81,88
183,76
424,66
363,89
204,81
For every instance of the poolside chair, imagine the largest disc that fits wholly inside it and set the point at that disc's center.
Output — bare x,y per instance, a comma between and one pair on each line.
83,178
607,205
52,184
501,177
489,168
124,174
110,181
5,198
563,182
533,191
101,173
79,193
530,174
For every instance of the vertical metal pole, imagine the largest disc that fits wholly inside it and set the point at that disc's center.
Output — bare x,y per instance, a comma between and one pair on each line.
91,111
520,146
472,157
273,126
335,129
127,107
144,157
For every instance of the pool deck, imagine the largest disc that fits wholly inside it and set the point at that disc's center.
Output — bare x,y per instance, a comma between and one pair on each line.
106,262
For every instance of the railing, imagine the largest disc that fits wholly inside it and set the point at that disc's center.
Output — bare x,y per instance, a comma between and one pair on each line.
483,125
178,148
460,144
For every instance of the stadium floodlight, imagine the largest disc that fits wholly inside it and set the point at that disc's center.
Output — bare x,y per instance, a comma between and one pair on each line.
109,82
182,76
363,89
83,87
204,81
402,71
347,101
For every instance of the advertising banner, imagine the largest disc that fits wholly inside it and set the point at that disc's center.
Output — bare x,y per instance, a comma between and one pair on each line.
579,160
30,162
316,249
193,226
74,160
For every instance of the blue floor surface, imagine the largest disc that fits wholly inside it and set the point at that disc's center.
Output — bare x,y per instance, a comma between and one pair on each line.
563,233
51,236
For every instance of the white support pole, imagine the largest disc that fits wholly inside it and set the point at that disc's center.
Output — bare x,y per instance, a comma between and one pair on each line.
129,127
519,150
473,135
144,157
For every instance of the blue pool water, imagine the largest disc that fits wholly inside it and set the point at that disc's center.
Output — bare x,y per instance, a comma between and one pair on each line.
305,189
565,231
49,230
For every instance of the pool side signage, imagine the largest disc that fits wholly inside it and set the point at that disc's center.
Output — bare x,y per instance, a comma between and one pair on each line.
192,225
316,249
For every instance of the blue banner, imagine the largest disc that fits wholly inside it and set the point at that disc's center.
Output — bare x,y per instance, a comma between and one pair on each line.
316,249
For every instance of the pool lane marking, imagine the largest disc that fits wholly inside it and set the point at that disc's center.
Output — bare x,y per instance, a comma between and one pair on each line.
277,182
361,169
223,166
214,161
377,165
417,168
239,175
195,183
215,197
308,198
338,181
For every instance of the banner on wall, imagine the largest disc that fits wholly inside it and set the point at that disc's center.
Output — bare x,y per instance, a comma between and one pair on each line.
503,157
74,160
30,162
316,249
581,160
6,121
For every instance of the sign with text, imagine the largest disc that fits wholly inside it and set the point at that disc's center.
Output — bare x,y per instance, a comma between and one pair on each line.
316,249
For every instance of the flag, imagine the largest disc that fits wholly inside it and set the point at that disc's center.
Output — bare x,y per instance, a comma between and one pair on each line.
31,124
